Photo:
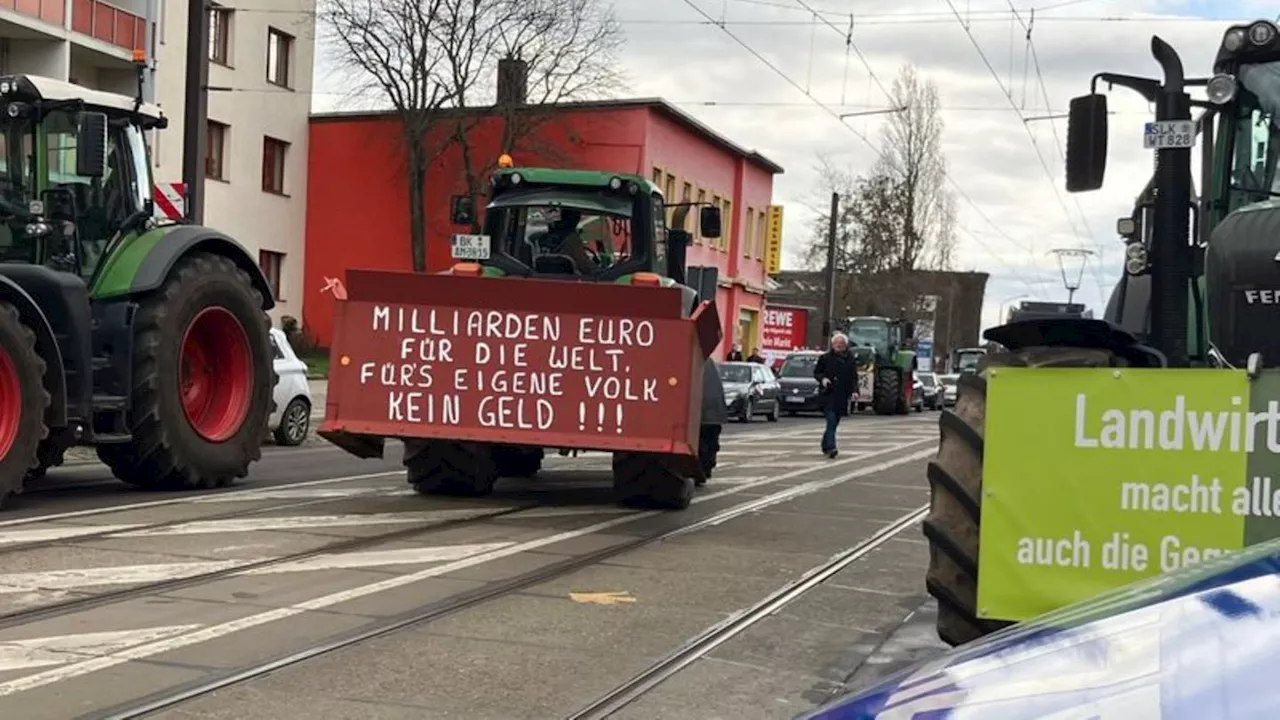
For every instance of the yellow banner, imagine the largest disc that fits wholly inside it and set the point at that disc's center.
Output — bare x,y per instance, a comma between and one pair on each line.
773,258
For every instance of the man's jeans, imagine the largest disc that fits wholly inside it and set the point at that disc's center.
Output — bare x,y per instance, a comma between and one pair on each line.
829,437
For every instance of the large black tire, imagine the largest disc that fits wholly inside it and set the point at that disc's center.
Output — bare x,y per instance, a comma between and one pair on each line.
955,489
166,451
439,467
651,480
51,453
517,462
887,396
23,401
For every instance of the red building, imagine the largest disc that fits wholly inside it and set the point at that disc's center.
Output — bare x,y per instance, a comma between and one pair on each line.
357,194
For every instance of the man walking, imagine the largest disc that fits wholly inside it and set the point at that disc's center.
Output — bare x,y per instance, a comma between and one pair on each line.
837,373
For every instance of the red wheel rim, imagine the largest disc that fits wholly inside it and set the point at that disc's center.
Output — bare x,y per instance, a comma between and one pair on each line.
10,403
215,374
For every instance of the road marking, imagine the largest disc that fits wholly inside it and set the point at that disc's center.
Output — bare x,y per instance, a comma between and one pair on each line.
307,494
54,580
186,499
63,649
15,537
300,522
602,598
552,512
213,632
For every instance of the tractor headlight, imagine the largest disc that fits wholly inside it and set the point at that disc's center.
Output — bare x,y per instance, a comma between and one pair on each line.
515,178
1221,89
1262,33
5,87
1233,41
1126,227
615,183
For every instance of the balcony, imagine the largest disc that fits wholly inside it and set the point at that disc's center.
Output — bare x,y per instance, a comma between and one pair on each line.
104,22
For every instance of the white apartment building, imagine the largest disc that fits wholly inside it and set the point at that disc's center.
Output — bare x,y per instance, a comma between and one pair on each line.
261,64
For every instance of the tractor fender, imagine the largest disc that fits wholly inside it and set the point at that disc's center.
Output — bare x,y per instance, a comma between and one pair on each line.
55,382
1076,332
160,254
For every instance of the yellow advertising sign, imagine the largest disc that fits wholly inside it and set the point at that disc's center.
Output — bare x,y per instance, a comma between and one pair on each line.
773,238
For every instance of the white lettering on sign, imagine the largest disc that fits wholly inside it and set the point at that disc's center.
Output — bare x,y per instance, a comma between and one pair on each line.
508,370
778,319
1262,297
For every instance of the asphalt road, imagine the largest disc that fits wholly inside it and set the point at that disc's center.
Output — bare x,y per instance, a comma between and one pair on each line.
322,587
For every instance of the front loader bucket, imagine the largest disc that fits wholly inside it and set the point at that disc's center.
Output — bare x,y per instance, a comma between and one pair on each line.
541,363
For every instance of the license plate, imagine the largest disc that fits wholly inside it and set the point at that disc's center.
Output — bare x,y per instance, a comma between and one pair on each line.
1169,134
470,247
796,400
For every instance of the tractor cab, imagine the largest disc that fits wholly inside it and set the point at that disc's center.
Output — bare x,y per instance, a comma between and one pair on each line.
885,365
74,173
879,335
579,225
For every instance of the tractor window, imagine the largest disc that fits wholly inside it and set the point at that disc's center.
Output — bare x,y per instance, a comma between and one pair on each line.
659,231
559,239
1257,135
101,205
17,183
873,334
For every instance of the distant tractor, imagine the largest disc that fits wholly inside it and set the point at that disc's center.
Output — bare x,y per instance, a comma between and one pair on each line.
149,342
965,360
887,367
571,323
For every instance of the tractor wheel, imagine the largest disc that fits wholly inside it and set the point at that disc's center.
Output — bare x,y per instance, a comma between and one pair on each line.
51,453
955,490
447,468
203,379
651,480
23,401
517,462
887,395
708,450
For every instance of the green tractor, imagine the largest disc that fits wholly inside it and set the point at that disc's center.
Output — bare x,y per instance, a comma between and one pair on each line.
1198,288
886,367
569,243
147,341
965,360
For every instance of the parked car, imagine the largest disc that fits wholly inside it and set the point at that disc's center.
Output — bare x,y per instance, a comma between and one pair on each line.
291,420
948,389
931,390
917,394
750,389
799,390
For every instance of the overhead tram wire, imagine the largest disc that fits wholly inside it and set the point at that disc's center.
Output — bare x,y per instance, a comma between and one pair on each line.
1008,94
865,106
1062,152
872,146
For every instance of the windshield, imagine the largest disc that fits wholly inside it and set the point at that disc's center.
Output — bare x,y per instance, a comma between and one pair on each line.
1256,146
554,231
968,361
948,380
927,380
869,333
735,374
798,366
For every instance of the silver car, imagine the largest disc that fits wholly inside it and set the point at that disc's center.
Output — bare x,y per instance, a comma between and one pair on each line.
948,389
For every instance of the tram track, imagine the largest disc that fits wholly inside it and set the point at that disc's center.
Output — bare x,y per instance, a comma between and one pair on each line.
459,602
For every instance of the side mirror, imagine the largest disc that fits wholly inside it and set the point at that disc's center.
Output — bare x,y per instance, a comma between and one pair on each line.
462,211
91,145
677,254
1086,142
709,222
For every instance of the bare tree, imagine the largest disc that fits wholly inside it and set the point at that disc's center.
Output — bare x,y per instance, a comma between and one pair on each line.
395,52
911,142
569,52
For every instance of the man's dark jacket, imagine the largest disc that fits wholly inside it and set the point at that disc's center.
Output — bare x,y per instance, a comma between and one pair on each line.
841,368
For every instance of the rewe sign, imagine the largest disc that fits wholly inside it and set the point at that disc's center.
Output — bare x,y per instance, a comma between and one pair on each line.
784,328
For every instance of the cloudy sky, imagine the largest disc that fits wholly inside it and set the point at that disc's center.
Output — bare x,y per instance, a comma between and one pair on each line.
1013,212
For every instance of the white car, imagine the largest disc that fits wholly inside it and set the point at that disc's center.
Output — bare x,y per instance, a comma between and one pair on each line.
291,420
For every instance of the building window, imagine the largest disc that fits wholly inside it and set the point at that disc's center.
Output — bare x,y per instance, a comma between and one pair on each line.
762,235
657,176
687,193
216,152
279,55
717,242
273,156
749,235
697,225
727,234
220,35
272,264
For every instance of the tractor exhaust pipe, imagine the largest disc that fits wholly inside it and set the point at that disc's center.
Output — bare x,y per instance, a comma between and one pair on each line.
1170,250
